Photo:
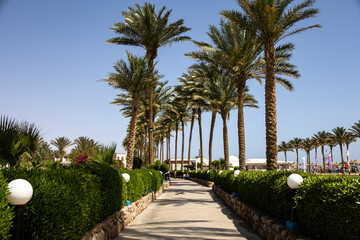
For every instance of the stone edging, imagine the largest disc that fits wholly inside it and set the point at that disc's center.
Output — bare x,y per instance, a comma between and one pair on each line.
202,182
114,224
265,226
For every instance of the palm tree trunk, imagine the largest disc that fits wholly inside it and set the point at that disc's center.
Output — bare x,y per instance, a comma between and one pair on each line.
141,146
226,143
176,140
150,120
308,160
297,159
241,123
342,158
182,144
131,144
169,137
285,161
190,135
270,107
213,117
201,142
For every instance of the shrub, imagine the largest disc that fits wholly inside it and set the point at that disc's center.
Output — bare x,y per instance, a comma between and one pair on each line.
157,165
150,166
329,207
164,168
112,185
6,212
66,202
137,163
135,187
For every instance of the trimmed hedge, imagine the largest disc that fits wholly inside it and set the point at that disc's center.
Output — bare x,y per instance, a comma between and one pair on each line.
329,207
69,201
6,212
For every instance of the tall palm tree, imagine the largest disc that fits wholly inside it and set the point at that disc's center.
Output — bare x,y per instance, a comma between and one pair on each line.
307,145
145,28
355,129
285,147
271,21
339,135
296,144
130,77
238,52
321,138
349,138
61,143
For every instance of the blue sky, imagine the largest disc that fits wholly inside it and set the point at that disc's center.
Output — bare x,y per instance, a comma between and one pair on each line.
53,53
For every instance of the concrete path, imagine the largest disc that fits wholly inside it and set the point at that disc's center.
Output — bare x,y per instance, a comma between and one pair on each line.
187,210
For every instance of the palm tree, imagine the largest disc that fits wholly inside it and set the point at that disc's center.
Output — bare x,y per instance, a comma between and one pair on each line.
61,143
285,147
355,129
307,145
339,135
85,146
349,138
130,77
104,155
145,28
296,144
271,21
17,138
238,53
321,138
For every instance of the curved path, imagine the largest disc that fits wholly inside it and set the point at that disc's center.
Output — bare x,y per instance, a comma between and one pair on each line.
187,210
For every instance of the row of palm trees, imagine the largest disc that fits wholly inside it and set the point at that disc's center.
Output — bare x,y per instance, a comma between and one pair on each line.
244,47
338,136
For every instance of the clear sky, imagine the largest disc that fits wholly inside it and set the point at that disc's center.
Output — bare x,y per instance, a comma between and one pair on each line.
53,52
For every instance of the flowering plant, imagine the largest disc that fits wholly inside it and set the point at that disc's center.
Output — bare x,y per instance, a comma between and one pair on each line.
81,159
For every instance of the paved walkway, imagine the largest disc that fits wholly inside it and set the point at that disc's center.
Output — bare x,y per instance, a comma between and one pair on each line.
187,210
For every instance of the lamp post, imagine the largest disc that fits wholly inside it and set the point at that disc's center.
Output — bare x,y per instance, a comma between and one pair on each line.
294,182
21,192
126,177
236,174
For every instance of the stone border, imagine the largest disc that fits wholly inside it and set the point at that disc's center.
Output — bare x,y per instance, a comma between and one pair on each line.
265,226
114,224
202,182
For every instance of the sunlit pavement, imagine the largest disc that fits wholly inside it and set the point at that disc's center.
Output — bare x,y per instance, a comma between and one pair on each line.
187,210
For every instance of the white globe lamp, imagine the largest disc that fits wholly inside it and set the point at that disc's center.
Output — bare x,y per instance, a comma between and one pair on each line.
236,173
294,181
21,192
126,177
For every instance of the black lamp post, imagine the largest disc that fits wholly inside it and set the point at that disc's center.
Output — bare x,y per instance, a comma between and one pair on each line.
294,181
21,192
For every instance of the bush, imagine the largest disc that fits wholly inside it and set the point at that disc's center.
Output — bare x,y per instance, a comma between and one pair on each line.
6,212
157,165
137,163
66,202
150,166
135,187
113,194
164,168
329,207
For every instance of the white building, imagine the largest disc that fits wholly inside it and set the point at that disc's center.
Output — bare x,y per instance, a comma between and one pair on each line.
121,157
258,163
192,161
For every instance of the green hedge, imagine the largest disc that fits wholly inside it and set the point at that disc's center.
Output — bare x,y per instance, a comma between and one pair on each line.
66,202
329,207
69,201
6,212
